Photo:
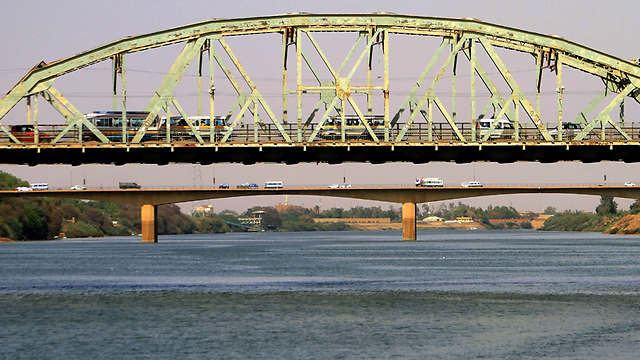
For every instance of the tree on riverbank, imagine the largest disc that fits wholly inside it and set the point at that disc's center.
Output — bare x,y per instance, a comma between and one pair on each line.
48,218
605,217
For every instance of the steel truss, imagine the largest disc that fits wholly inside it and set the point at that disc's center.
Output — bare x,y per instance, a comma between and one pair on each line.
464,37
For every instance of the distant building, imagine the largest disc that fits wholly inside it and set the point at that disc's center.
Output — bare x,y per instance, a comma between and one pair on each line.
254,221
432,219
354,220
529,214
204,209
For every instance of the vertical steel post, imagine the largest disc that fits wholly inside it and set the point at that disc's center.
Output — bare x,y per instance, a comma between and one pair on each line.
454,104
539,60
622,114
256,120
516,103
385,86
168,122
342,122
200,80
212,90
472,51
123,80
36,132
430,119
560,92
299,80
114,73
369,59
28,109
285,48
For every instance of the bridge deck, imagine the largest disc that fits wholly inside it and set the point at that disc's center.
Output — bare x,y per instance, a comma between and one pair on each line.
388,194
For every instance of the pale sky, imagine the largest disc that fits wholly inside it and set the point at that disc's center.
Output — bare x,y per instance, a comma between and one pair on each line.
50,30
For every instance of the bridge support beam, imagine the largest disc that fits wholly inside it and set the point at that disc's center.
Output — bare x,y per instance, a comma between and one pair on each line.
150,223
409,232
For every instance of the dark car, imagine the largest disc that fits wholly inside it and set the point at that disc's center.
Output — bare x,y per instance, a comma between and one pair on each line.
223,186
253,186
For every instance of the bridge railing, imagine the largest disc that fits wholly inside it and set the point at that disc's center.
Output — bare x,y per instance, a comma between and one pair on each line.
439,132
341,186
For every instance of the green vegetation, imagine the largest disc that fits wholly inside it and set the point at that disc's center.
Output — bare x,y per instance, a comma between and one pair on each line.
606,215
47,218
576,221
297,218
453,211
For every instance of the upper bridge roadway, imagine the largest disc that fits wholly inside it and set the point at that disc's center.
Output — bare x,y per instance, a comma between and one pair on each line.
149,199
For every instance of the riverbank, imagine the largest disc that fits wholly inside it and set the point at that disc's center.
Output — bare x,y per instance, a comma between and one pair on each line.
369,224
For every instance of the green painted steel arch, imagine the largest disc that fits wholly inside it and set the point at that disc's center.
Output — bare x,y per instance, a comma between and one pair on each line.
617,73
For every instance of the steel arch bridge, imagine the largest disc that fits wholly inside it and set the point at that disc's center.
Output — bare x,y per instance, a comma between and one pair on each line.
342,113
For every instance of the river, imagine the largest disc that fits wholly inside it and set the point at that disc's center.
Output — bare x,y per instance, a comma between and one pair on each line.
323,295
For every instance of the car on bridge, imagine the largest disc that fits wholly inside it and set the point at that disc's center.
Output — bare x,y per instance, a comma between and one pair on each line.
26,133
79,187
568,130
503,129
223,186
22,188
472,184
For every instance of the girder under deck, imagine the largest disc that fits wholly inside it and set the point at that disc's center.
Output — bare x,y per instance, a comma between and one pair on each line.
332,153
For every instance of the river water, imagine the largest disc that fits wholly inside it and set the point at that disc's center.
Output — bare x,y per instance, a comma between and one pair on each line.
326,295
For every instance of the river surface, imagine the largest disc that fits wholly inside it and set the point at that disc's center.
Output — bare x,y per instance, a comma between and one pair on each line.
325,295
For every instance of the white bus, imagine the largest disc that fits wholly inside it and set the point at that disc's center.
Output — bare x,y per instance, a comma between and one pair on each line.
273,185
39,186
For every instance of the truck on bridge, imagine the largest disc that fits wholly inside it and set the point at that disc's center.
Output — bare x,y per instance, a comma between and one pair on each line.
429,182
129,185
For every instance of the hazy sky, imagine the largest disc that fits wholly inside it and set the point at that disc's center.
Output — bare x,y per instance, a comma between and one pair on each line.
50,30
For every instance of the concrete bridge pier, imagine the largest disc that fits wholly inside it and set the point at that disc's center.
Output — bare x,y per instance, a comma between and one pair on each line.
409,229
150,223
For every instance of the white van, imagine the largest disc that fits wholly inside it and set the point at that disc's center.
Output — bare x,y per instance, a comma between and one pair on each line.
504,128
472,184
39,186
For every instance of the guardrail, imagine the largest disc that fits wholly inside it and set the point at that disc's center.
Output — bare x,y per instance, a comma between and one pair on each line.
328,186
269,133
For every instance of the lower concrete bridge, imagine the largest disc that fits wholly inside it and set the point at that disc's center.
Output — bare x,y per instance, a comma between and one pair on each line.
149,199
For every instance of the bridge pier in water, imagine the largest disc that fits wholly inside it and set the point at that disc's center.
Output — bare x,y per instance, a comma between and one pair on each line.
409,229
149,223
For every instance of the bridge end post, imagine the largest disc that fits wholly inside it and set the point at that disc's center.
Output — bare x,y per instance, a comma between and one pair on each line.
409,230
149,223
